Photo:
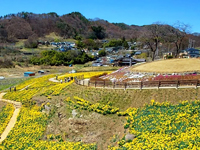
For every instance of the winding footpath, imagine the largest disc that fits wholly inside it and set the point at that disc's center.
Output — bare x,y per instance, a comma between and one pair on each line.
13,120
53,80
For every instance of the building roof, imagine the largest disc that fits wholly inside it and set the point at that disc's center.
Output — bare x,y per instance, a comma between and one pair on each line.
192,49
29,72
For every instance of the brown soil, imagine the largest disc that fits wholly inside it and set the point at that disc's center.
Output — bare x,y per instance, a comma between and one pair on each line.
88,128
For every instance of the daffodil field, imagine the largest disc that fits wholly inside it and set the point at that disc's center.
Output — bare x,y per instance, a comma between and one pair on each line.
31,122
86,74
5,116
56,89
163,126
28,89
156,125
97,107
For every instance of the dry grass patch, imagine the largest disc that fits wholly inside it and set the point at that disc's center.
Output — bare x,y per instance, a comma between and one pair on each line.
170,66
101,68
2,104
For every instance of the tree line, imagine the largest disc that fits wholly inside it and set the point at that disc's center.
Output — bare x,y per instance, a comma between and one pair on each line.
55,58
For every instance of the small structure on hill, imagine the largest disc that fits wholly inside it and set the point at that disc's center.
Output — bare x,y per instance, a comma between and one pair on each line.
28,74
41,71
167,55
124,62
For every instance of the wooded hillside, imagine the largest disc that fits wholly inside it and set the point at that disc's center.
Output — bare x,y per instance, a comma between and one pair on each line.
72,25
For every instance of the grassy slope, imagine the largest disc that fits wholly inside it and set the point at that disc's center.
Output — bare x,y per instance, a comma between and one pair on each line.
131,98
170,65
92,127
6,83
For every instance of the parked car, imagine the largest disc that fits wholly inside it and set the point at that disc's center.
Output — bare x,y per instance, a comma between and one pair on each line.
41,71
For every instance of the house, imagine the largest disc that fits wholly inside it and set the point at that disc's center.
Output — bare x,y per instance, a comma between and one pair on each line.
189,53
72,44
124,62
95,53
109,49
96,64
104,41
28,74
137,53
192,52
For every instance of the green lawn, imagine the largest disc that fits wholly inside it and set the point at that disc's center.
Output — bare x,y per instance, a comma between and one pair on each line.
6,83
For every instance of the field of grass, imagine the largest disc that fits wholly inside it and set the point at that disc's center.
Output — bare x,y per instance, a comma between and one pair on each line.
18,71
10,82
101,68
170,66
52,36
20,43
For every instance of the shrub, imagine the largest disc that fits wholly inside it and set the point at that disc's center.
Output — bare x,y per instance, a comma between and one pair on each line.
31,42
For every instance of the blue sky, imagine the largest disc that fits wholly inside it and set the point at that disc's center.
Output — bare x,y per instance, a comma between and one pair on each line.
136,12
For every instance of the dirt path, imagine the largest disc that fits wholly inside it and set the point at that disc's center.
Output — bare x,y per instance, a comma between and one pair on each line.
13,120
53,80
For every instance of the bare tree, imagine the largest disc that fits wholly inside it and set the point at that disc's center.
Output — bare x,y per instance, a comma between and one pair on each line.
177,35
18,28
152,36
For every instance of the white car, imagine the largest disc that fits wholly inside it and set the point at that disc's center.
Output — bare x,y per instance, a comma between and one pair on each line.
1,77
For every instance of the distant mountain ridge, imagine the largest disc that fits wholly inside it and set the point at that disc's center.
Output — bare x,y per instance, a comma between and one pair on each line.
25,24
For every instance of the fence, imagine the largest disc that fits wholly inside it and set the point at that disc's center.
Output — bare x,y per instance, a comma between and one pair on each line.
139,85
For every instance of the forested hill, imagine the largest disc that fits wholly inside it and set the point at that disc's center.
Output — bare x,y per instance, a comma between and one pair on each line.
72,25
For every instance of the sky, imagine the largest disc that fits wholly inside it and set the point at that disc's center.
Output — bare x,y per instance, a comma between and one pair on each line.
131,12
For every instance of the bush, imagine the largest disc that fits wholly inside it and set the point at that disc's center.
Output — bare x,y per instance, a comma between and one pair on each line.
31,42
102,53
169,57
53,58
6,63
143,55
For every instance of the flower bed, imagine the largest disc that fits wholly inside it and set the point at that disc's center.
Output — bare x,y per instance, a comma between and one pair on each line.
56,89
28,131
175,77
164,126
35,86
85,74
97,107
5,116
